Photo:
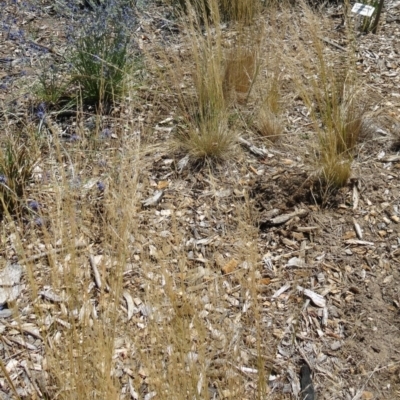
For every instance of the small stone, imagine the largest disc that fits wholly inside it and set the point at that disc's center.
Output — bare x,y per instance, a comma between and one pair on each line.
336,345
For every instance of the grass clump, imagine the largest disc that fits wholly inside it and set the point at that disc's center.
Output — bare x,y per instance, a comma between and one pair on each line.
99,62
346,122
269,125
225,72
341,118
208,139
333,96
16,167
335,171
101,53
52,86
101,57
205,133
343,130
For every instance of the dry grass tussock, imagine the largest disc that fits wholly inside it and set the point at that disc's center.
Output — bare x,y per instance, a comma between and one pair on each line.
133,307
336,100
206,134
224,75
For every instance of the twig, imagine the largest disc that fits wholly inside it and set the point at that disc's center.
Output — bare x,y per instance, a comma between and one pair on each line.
96,274
255,150
332,43
26,369
359,392
9,380
49,49
49,253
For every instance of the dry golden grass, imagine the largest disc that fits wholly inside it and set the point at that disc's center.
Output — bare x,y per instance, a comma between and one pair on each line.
330,89
80,359
211,140
349,122
240,11
223,73
335,172
269,122
205,134
269,125
240,74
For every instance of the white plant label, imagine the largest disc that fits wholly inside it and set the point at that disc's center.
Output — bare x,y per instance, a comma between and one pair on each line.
363,9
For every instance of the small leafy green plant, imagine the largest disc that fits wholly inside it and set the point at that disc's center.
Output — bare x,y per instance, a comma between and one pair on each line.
52,85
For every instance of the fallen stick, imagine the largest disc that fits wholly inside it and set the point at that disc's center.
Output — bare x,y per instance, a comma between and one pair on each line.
78,245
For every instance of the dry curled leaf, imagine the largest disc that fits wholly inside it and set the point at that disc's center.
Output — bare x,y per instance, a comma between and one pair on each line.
130,305
96,273
264,281
230,266
162,185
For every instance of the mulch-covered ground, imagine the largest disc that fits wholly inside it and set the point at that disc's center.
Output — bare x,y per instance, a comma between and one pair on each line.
254,210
